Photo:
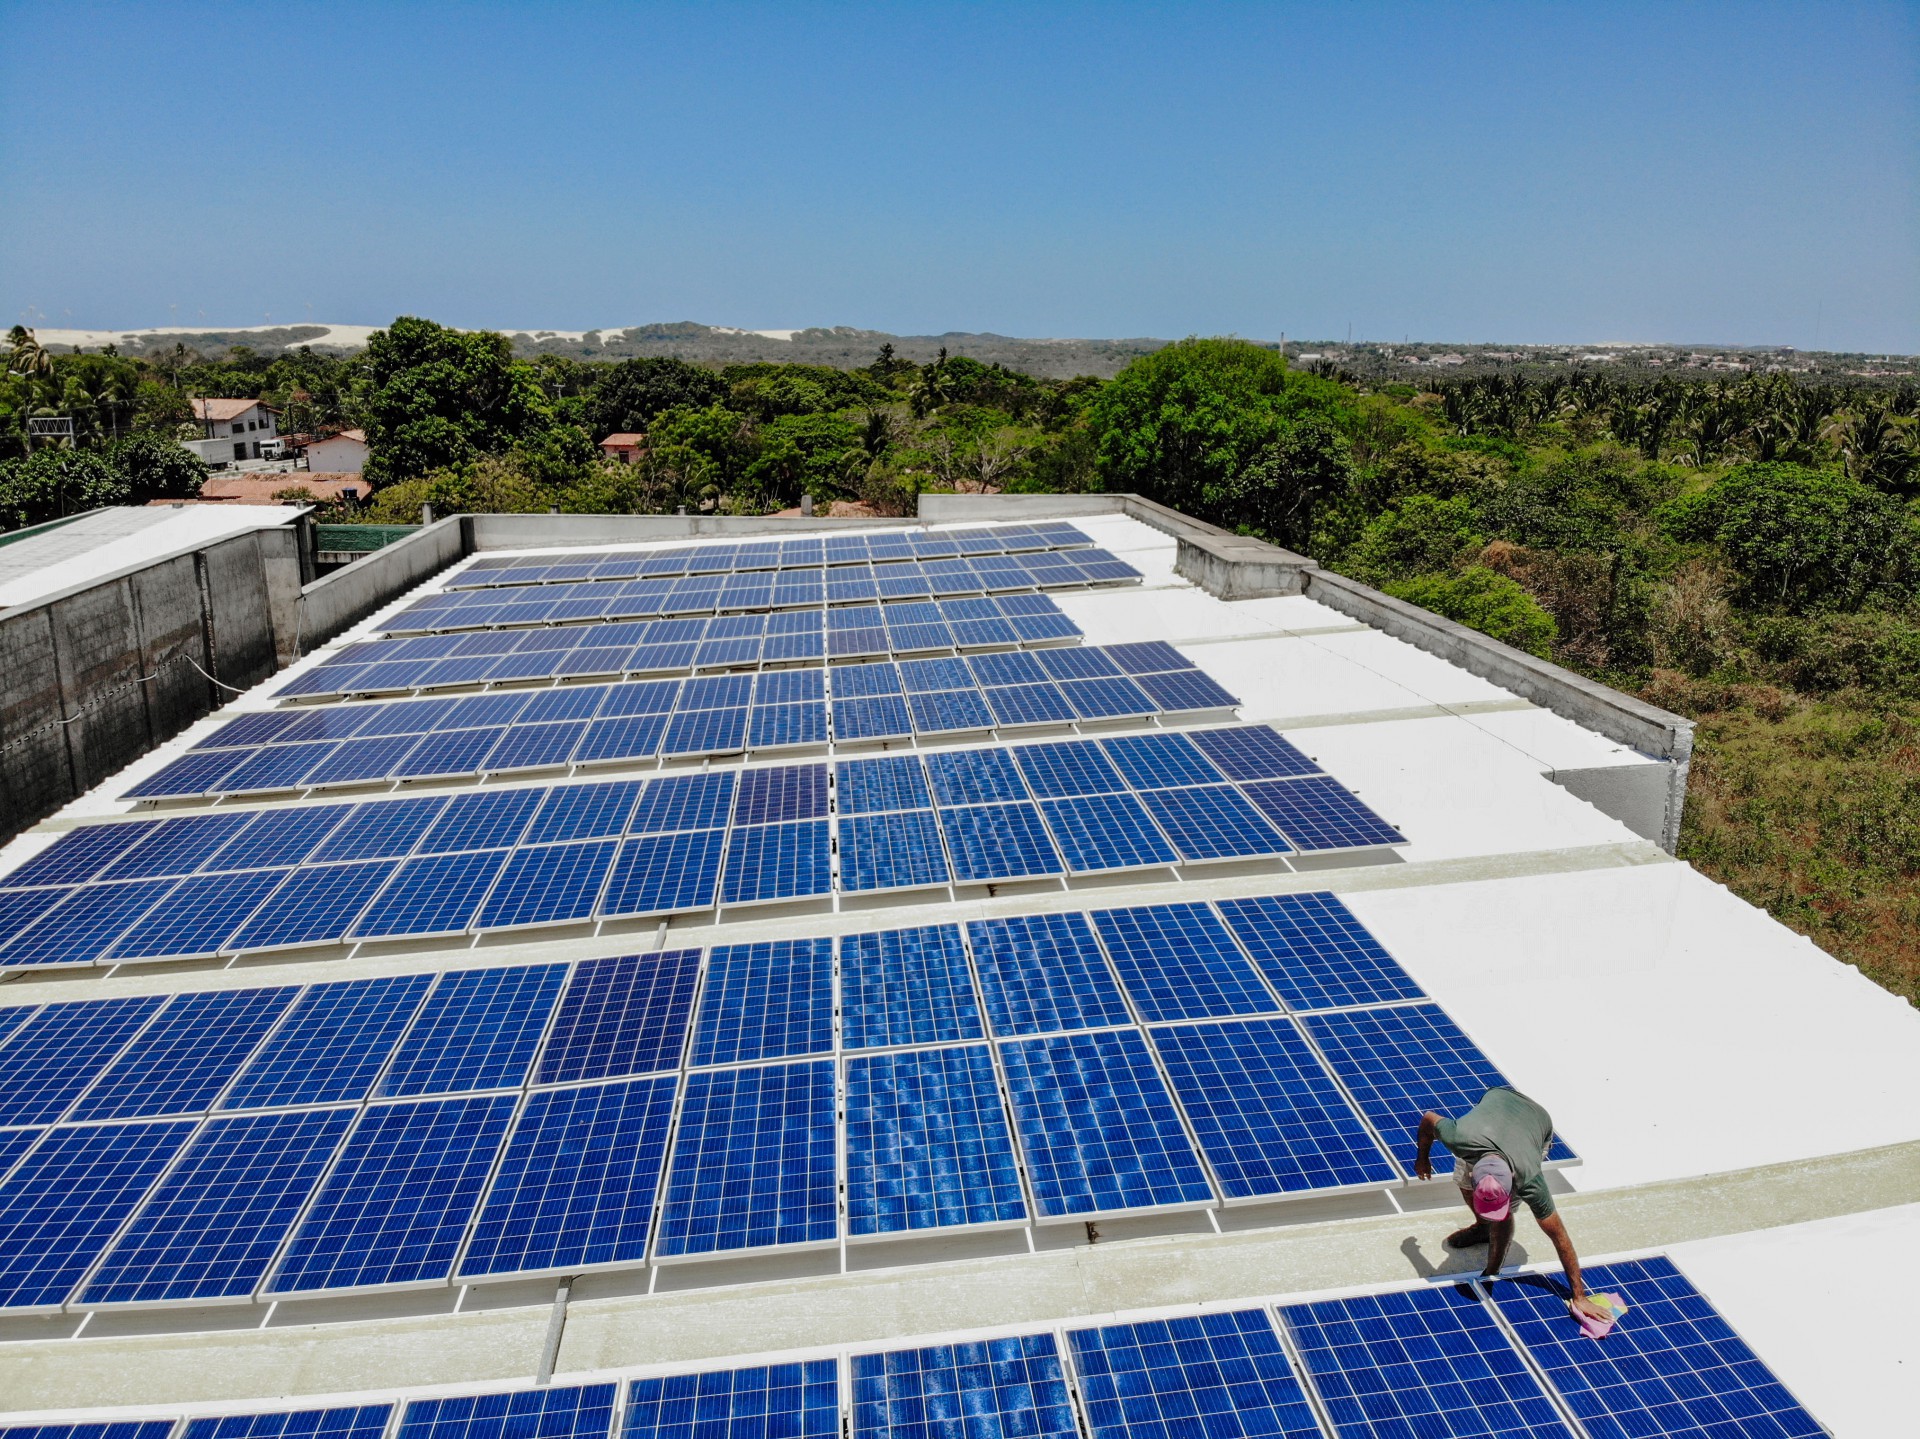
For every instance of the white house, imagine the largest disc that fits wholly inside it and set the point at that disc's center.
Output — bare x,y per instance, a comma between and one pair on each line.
341,454
234,430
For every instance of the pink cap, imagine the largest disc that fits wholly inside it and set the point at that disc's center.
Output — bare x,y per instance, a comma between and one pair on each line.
1492,1188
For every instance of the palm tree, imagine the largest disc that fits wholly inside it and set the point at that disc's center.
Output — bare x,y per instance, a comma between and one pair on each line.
1875,444
29,358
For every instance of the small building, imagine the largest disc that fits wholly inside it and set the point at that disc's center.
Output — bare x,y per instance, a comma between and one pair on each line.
623,447
341,454
235,430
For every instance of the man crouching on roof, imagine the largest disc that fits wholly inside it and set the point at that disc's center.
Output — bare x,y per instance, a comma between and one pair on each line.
1498,1146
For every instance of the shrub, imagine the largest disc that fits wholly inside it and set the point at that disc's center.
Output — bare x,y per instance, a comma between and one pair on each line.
1482,600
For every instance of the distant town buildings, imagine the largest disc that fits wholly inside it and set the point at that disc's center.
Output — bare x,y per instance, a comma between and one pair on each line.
236,429
623,447
341,454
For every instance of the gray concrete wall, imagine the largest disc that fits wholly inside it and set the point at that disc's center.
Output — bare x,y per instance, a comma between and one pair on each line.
1235,567
513,532
95,676
339,601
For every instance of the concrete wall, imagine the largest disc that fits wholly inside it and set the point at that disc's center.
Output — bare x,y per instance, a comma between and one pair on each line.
339,601
1235,567
95,676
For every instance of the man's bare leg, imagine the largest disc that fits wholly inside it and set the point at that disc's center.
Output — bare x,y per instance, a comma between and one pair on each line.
1475,1233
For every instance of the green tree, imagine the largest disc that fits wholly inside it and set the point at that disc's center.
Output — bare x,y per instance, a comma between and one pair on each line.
631,393
439,398
1307,463
1421,535
50,483
1482,600
153,467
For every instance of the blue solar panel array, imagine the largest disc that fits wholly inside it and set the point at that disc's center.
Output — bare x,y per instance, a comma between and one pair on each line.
561,601
505,659
1429,1360
1019,1070
584,725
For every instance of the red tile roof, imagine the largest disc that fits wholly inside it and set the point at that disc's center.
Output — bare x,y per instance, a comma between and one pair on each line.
221,410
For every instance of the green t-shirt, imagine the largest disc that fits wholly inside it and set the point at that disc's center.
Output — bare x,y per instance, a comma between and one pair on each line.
1507,1123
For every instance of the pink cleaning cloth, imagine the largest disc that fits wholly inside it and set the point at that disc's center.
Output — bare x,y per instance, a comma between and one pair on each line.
1597,1328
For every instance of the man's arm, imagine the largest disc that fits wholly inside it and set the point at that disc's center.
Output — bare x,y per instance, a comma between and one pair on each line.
1570,1262
1429,1131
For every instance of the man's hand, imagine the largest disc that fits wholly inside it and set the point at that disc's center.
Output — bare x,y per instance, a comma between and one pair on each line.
1423,1165
1584,1308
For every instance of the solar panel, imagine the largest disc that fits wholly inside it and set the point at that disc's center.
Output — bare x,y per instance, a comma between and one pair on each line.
84,925
1017,705
863,786
906,986
387,830
487,819
278,837
927,1143
1042,973
332,1045
998,1389
1248,752
710,731
80,854
197,917
1676,1367
664,874
1177,961
690,801
1269,1119
992,842
1399,1063
864,681
1312,949
1114,698
478,1030
367,1421
21,907
181,1061
783,725
753,1161
397,1203
436,894
1160,761
882,717
1098,1127
627,737
57,1052
315,905
949,712
769,1000
214,1223
583,811
577,1181
1212,821
1106,832
1224,1376
1151,657
786,793
1187,692
974,777
1427,1361
549,884
1317,814
546,1413
782,1401
63,1203
620,1016
891,851
1067,768
777,861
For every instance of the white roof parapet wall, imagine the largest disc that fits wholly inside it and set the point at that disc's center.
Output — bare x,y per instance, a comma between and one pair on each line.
1239,567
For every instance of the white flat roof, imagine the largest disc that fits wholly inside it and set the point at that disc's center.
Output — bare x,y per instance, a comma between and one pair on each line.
122,538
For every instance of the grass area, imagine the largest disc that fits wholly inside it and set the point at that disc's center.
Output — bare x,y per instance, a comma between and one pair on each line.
1810,809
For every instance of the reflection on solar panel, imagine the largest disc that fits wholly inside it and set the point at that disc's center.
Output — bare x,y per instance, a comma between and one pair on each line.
1315,953
1212,821
1268,1117
478,1030
991,842
1678,1369
1399,1063
927,1143
397,1203
84,924
57,1053
1425,1361
906,986
620,1016
368,1421
891,851
182,1061
1043,973
334,1043
777,861
863,786
783,1401
1098,1127
435,894
1179,962
576,1185
1005,1388
66,1200
1222,1375
664,874
549,884
753,1161
1106,832
583,1413
315,905
213,1225
766,1001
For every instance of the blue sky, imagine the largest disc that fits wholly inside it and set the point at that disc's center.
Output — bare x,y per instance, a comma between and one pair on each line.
1745,173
